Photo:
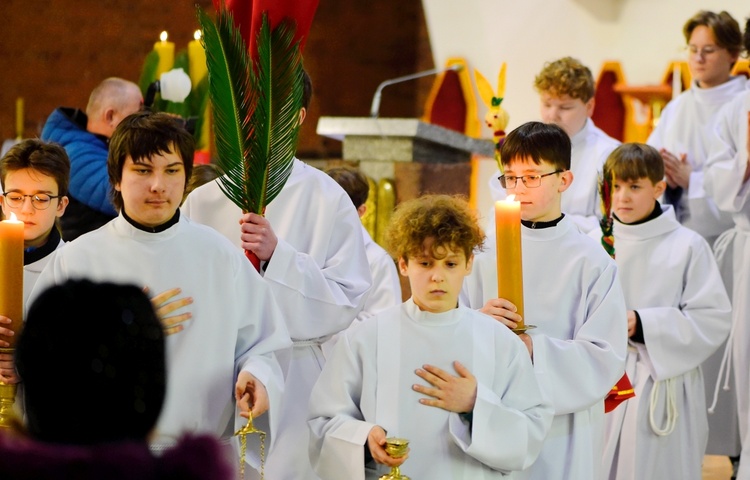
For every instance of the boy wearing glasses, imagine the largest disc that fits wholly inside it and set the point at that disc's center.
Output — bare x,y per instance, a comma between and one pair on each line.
685,129
34,177
566,90
573,297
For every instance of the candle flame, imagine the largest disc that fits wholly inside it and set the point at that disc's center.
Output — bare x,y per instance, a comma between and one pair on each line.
197,35
511,198
163,36
13,217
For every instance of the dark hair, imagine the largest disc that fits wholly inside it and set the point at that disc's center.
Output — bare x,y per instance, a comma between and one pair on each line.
142,135
353,182
307,89
633,161
540,142
47,158
91,357
447,219
746,37
725,28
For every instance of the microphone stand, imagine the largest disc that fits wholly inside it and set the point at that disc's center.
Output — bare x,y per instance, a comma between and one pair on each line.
375,107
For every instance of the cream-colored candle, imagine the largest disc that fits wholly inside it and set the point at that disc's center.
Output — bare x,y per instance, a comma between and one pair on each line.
11,268
509,262
165,50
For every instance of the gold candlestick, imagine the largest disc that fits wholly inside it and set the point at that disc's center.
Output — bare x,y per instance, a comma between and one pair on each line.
249,429
396,448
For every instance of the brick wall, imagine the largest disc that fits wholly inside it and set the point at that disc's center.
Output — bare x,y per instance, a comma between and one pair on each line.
54,52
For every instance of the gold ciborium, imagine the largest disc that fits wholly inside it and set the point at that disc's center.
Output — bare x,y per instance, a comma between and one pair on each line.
396,448
243,432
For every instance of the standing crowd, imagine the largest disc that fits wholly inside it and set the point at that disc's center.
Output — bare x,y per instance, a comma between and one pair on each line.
150,338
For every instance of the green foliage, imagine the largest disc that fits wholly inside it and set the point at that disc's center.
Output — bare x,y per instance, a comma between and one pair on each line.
148,72
256,108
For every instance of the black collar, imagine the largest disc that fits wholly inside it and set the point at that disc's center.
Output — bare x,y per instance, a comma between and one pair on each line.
156,229
540,225
654,213
35,254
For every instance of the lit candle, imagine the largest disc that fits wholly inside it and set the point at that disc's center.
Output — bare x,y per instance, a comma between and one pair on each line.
11,267
509,264
165,50
19,118
196,59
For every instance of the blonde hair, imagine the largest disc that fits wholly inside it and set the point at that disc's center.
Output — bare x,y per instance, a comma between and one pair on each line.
566,76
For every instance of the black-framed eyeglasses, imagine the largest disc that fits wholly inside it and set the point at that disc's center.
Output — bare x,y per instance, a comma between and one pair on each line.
530,181
40,201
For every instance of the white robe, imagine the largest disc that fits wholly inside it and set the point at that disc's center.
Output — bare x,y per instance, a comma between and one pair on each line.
235,322
723,181
686,126
319,277
573,296
386,288
368,381
670,277
32,271
589,150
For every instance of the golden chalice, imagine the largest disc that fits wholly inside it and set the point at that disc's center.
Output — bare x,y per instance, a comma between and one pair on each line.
396,448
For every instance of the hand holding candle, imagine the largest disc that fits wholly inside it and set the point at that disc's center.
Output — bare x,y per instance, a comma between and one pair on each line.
509,262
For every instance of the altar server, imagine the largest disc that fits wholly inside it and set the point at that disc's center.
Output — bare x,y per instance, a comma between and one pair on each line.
572,295
455,383
224,350
678,315
313,259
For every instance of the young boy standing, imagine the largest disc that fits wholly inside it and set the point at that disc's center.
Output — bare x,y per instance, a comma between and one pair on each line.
225,349
34,179
566,90
455,383
678,315
572,296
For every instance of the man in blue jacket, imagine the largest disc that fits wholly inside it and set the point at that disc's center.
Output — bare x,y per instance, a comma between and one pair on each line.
85,137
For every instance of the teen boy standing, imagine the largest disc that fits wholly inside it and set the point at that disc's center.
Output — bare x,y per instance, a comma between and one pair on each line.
226,347
678,315
455,383
572,295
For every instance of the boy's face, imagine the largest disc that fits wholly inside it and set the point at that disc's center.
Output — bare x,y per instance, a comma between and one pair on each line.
633,200
37,223
152,190
568,113
711,64
435,284
542,203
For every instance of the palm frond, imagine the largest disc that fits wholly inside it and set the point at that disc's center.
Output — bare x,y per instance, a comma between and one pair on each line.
148,72
233,97
278,79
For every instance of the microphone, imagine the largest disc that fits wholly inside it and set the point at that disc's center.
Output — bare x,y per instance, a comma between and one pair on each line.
375,107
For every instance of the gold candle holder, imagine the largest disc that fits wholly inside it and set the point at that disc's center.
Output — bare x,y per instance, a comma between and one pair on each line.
249,429
8,418
396,448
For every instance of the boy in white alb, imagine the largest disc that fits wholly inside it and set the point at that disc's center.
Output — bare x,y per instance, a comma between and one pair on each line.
222,353
566,90
452,381
678,315
686,125
573,297
314,261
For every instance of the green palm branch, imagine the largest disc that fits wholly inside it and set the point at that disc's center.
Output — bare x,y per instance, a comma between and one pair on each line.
256,108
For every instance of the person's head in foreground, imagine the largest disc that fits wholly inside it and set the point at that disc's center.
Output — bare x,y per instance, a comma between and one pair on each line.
434,238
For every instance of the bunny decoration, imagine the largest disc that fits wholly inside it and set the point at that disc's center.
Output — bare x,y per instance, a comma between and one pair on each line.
496,118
